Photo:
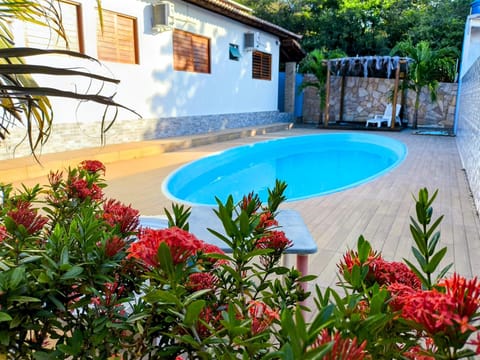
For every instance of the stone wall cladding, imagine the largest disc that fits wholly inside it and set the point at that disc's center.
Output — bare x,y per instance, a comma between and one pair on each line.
468,128
366,97
74,136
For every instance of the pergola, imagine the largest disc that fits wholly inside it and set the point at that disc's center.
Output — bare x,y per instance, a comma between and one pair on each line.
366,66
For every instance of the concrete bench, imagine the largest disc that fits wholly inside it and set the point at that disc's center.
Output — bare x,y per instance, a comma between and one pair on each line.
203,217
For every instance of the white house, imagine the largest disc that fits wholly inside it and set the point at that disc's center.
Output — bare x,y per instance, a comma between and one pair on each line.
186,66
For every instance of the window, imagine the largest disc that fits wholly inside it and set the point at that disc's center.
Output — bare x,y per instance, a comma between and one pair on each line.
191,52
234,53
44,37
118,41
261,65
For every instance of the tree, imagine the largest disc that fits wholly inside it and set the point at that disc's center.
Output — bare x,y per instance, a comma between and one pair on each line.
424,65
367,27
22,99
314,63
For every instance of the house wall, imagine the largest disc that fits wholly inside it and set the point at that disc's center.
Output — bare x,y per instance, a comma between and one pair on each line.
365,97
468,127
171,103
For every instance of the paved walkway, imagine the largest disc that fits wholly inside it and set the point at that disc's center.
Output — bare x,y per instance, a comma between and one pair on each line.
379,209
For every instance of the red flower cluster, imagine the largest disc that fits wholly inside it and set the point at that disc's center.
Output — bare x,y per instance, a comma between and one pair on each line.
80,188
209,318
92,166
262,316
213,249
28,217
201,281
448,312
266,221
114,245
381,271
182,245
386,273
345,349
115,213
351,259
275,240
249,199
3,233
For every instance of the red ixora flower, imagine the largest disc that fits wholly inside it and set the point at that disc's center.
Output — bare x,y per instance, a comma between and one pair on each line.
114,245
351,259
262,316
266,221
448,312
92,166
275,240
116,213
3,233
248,200
201,281
213,249
182,245
345,349
79,188
386,273
28,217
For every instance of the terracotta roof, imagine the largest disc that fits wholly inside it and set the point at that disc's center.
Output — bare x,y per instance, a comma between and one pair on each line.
290,49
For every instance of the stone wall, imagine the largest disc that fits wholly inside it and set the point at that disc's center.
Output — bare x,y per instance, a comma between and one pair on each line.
365,97
468,128
74,136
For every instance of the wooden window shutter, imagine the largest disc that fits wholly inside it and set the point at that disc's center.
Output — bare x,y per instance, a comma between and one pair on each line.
191,52
118,41
261,65
44,37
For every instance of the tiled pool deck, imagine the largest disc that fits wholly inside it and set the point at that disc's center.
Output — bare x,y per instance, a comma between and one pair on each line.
379,210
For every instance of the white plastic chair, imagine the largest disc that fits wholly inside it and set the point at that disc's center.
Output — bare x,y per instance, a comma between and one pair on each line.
386,117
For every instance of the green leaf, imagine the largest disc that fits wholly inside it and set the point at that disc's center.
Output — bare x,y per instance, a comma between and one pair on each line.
435,260
378,301
442,273
24,299
64,256
74,272
419,238
193,312
420,275
433,244
4,316
30,259
364,249
165,259
420,258
161,296
434,226
16,277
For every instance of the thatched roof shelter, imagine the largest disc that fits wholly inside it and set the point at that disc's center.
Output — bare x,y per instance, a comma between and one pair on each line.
365,66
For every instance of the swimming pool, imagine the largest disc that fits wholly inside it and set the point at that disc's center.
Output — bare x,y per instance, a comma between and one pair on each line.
312,165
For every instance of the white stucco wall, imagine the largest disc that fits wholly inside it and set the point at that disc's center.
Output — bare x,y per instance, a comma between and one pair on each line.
471,43
153,88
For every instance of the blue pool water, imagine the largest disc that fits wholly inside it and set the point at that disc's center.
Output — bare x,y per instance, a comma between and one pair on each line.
312,165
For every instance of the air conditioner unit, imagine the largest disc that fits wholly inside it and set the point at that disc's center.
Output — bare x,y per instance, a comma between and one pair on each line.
251,40
162,15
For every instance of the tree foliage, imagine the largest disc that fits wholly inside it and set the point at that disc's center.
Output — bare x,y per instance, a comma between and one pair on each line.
367,27
426,66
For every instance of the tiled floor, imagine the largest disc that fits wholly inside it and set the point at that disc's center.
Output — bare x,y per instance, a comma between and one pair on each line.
379,209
